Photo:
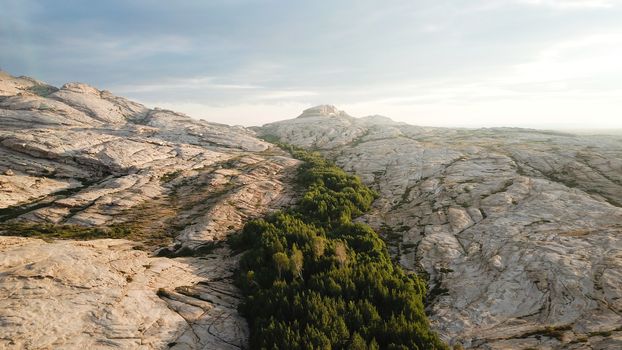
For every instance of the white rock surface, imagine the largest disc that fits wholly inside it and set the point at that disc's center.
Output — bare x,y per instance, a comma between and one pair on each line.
81,156
519,231
103,294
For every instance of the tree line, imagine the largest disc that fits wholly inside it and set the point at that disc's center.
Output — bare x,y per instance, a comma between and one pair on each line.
314,279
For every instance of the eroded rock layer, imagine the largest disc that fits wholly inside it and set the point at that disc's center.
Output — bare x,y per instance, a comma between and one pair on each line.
81,156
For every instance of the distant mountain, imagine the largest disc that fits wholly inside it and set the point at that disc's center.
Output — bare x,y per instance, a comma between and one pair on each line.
323,111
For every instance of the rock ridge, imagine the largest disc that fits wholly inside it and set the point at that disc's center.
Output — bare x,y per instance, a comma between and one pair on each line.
82,157
518,230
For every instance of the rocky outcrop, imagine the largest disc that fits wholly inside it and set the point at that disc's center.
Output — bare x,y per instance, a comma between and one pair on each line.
322,127
325,111
105,294
81,156
519,231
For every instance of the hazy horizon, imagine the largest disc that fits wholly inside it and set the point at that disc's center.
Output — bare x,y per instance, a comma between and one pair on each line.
545,64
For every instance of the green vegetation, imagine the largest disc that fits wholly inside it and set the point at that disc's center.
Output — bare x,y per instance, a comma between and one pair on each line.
42,89
48,231
556,332
168,177
313,279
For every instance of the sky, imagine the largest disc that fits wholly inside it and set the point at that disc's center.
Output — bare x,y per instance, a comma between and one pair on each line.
467,63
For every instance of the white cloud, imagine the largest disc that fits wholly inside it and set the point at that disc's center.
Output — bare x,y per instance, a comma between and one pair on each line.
572,4
195,83
525,111
284,94
584,57
247,114
115,48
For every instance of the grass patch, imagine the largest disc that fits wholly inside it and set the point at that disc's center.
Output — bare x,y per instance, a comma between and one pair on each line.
601,334
556,332
271,138
168,177
49,231
42,90
202,250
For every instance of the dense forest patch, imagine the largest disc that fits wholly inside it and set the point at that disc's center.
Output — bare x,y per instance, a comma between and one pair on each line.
314,279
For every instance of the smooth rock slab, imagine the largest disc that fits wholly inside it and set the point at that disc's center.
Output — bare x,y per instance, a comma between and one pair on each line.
104,294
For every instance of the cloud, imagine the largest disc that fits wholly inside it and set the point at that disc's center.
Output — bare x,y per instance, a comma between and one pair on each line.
572,4
285,94
587,57
246,114
196,83
113,49
556,113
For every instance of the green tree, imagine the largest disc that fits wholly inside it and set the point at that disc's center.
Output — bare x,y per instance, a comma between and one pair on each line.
318,245
296,261
357,342
341,253
281,261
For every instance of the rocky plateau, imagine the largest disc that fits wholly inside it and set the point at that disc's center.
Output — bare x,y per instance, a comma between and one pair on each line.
518,231
82,157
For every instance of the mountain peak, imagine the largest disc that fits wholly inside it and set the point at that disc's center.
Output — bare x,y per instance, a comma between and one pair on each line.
81,88
323,111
